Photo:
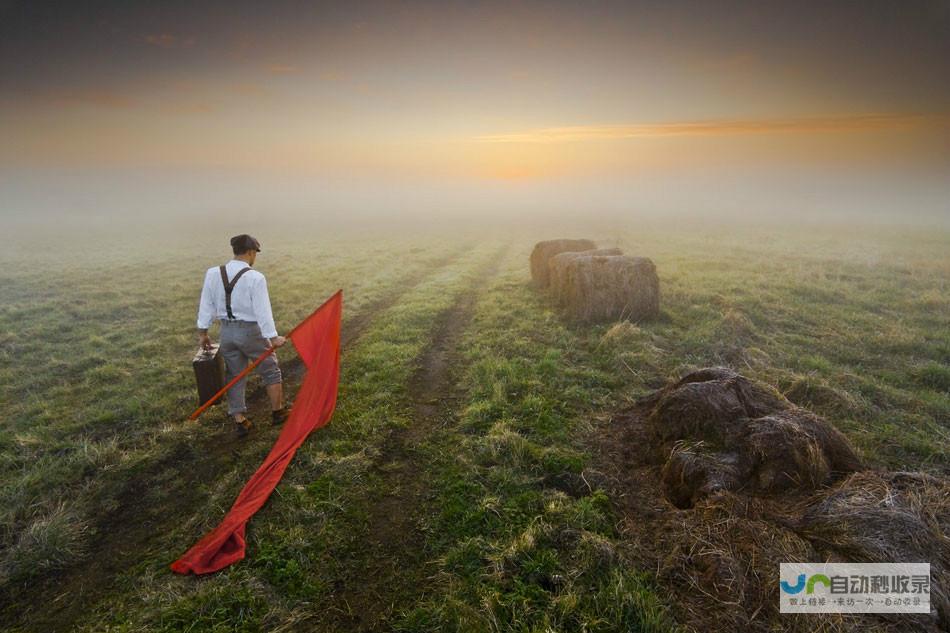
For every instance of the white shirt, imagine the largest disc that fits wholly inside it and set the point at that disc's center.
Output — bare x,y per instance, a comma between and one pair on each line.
249,299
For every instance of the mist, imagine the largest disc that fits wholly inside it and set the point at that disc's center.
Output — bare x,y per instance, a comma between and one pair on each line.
138,200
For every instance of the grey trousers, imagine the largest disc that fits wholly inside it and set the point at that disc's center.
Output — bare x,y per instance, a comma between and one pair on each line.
242,342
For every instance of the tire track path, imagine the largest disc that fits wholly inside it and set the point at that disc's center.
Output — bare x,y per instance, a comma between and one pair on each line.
393,574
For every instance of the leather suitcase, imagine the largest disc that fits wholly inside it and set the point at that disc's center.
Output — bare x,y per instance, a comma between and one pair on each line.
209,373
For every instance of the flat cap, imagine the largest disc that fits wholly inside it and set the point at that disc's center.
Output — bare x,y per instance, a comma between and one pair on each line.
243,243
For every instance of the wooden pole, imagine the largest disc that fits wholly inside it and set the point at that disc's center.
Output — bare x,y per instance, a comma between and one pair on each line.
250,368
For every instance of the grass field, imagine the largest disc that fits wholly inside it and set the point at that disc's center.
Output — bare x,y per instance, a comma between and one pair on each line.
455,488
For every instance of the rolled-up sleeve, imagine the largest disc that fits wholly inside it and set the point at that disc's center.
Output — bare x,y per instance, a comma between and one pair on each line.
262,309
205,305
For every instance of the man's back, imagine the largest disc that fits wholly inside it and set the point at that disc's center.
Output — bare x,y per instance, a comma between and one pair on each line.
250,300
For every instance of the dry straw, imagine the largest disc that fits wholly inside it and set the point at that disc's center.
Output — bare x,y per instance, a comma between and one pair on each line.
558,265
543,251
597,288
750,481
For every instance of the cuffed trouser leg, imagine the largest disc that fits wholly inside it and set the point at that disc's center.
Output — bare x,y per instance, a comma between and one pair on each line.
235,360
252,344
240,344
269,371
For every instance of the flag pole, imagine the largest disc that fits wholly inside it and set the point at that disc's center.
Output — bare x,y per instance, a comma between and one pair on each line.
224,389
257,361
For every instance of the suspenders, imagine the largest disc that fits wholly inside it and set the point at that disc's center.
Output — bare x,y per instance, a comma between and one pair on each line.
229,286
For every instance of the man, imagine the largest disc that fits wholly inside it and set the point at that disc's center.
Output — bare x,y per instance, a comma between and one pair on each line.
236,295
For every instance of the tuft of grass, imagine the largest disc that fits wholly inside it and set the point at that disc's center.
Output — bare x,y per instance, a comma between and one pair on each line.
934,375
49,542
817,394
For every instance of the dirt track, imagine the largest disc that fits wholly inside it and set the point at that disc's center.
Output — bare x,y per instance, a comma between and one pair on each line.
397,542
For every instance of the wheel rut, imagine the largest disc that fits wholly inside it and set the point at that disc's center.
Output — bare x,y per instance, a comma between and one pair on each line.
393,572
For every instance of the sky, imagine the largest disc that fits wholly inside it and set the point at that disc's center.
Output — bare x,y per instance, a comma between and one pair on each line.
148,109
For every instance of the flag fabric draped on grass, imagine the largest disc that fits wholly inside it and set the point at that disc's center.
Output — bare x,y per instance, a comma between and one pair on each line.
317,340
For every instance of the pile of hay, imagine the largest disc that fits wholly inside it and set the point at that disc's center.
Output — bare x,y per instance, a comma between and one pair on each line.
710,404
795,449
557,269
544,251
597,288
692,473
719,560
747,480
896,517
749,435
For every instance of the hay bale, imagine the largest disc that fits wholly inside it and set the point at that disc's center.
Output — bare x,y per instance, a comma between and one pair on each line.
543,251
711,405
795,449
691,473
610,288
888,517
557,269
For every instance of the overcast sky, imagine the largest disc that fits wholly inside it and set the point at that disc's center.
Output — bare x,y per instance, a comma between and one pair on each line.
467,108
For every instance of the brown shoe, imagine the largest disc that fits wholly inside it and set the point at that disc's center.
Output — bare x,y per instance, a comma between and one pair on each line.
242,427
279,416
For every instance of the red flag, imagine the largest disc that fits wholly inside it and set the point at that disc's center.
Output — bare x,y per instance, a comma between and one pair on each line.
317,340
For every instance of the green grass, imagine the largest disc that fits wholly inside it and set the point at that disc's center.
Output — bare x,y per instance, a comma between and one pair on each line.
94,375
116,340
515,551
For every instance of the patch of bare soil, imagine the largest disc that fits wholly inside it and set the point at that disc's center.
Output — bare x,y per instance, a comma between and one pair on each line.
138,511
718,480
393,572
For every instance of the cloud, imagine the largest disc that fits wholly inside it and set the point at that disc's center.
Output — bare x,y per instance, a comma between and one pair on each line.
580,133
741,61
96,97
169,41
281,69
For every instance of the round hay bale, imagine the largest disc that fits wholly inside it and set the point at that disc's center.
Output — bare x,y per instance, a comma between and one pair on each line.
543,251
599,288
557,273
888,517
691,474
711,404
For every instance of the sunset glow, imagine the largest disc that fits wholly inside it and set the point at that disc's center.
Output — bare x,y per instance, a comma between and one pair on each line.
524,92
